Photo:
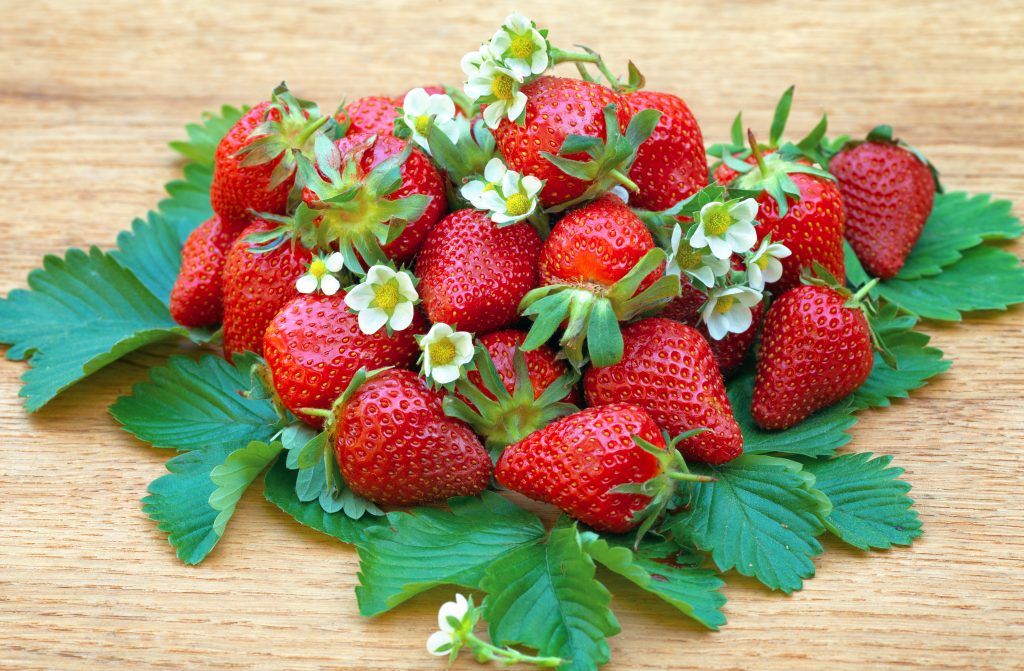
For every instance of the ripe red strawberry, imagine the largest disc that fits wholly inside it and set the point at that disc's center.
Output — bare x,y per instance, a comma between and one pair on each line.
815,350
543,365
556,108
599,266
393,216
473,273
370,115
888,189
583,462
256,286
670,165
198,297
314,347
395,446
668,370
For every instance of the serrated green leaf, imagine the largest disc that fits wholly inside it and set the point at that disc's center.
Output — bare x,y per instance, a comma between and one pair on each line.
958,222
760,517
985,278
203,137
197,405
870,506
666,571
821,434
279,489
152,252
546,597
429,547
180,503
235,475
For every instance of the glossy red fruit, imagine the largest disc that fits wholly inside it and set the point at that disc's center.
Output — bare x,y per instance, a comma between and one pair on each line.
395,446
814,352
314,346
371,115
576,461
256,286
888,193
671,164
197,298
473,273
542,363
668,369
556,108
238,190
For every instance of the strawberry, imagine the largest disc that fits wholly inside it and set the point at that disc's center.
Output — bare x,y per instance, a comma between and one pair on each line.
393,196
254,166
198,297
256,285
607,466
599,266
473,273
543,365
372,115
888,189
314,346
668,369
395,446
816,348
670,165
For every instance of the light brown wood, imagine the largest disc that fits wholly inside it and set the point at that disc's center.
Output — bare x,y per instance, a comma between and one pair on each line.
91,92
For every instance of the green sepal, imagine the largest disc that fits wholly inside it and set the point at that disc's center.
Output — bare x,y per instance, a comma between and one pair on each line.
771,175
466,158
780,117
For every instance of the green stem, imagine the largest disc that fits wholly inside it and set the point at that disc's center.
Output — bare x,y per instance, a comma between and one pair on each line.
489,652
559,56
863,291
317,412
756,150
310,129
690,477
624,180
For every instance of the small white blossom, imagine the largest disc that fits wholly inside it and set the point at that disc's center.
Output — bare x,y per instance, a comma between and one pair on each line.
474,190
696,264
520,47
423,111
440,643
507,194
728,310
445,352
321,275
385,297
726,228
763,266
498,88
472,61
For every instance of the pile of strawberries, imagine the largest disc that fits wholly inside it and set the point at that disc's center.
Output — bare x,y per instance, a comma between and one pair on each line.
441,281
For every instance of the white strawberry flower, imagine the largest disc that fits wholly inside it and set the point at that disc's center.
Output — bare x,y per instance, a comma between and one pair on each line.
498,88
520,47
698,264
473,60
445,352
507,194
727,310
320,275
763,266
385,297
474,190
423,110
442,642
726,228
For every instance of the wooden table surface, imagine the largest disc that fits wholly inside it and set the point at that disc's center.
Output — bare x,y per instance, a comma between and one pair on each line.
91,92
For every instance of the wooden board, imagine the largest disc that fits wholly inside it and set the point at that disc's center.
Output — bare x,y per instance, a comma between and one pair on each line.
91,92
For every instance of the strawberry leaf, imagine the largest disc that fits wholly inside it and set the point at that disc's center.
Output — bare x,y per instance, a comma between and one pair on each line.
665,571
870,506
546,597
427,547
203,137
197,405
760,517
819,435
235,475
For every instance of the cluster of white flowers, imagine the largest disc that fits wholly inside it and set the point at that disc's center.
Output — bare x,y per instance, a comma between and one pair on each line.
703,254
423,111
508,195
515,55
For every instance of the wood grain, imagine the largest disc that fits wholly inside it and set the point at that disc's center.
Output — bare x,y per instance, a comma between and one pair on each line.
90,92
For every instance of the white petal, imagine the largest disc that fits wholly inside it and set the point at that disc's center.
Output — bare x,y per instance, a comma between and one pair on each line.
518,105
677,237
335,262
440,105
773,271
500,43
492,200
306,284
707,208
329,284
494,113
779,251
719,247
510,183
532,185
705,275
445,374
360,297
719,266
401,317
471,61
449,127
379,274
406,289
477,88
371,320
749,297
520,67
539,60
716,325
741,236
502,218
421,141
463,343
755,278
518,23
436,641
621,192
698,240
739,318
473,192
416,103
745,210
438,331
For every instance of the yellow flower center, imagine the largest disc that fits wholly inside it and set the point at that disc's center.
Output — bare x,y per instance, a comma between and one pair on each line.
386,296
517,204
502,86
318,268
522,47
688,258
422,124
441,352
717,222
724,304
489,186
762,262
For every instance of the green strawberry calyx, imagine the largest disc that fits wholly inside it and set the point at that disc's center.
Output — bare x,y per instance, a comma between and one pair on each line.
610,160
503,418
593,312
771,174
